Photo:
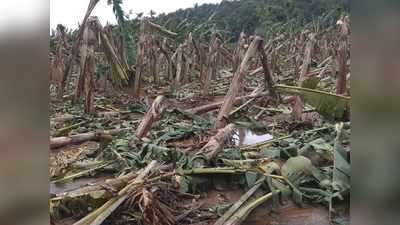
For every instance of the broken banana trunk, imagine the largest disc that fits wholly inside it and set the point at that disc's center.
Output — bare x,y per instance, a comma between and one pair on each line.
152,115
216,143
236,83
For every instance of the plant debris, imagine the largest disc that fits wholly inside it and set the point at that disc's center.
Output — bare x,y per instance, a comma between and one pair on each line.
198,120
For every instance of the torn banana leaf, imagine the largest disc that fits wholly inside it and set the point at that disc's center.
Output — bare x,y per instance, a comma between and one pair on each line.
327,104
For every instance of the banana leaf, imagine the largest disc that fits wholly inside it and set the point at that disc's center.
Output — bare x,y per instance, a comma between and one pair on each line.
327,104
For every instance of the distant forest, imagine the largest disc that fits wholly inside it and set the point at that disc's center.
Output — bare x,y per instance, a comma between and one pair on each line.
229,18
250,16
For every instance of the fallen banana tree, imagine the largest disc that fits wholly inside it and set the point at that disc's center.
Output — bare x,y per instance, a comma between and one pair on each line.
58,142
82,173
98,216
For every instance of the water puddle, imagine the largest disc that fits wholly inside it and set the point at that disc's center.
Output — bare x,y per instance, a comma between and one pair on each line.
245,136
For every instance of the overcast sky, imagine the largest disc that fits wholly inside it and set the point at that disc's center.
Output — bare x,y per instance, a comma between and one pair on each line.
71,12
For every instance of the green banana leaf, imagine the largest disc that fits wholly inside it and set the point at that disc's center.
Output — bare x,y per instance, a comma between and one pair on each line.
327,104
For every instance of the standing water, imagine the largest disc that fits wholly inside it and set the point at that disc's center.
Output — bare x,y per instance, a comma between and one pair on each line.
245,136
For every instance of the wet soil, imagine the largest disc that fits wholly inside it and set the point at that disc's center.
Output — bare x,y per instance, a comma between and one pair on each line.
289,214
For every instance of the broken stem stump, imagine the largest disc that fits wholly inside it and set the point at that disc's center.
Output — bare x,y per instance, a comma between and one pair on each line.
152,115
215,144
236,83
269,82
75,48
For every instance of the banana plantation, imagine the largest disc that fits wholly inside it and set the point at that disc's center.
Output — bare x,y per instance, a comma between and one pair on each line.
164,123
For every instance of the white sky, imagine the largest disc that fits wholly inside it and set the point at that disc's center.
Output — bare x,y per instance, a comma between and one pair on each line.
71,12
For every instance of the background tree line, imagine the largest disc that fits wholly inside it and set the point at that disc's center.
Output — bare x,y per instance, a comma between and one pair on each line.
230,18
